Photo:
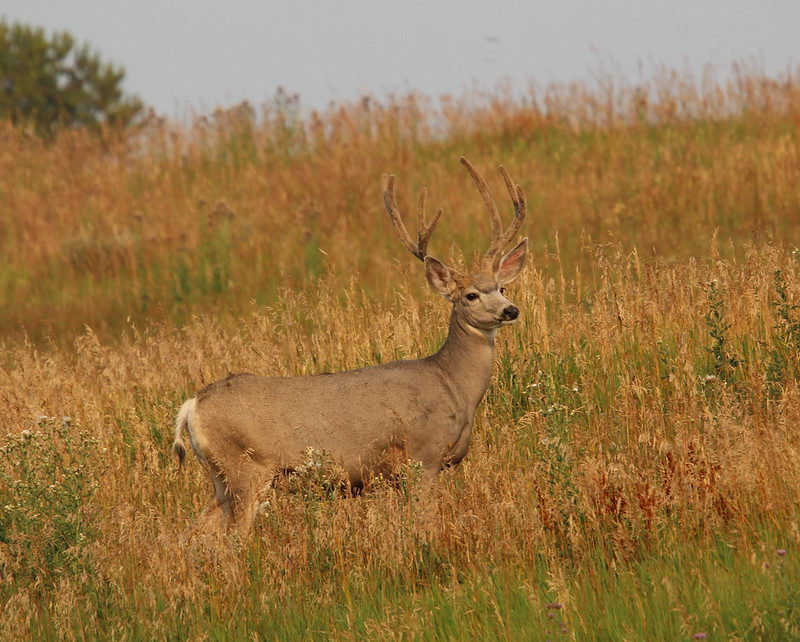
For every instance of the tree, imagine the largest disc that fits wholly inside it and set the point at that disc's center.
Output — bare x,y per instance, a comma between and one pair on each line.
52,83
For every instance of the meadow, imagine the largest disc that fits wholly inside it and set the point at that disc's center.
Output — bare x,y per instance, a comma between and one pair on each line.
635,466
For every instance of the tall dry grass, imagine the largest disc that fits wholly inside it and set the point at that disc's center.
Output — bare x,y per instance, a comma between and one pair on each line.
653,418
634,472
175,220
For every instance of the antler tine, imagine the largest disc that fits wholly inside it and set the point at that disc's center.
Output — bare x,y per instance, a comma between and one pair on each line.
491,260
520,207
483,189
424,230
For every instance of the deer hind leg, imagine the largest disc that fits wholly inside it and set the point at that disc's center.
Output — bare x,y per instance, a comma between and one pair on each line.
249,499
217,516
244,513
236,481
243,492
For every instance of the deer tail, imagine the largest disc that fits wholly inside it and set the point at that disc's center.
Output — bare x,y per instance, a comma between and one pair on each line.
181,424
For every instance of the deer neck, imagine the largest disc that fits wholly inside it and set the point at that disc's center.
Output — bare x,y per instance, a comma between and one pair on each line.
467,356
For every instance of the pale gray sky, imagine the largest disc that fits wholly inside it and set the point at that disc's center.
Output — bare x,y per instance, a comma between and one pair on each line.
184,56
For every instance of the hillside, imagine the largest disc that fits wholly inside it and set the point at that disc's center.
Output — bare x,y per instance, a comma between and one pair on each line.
634,471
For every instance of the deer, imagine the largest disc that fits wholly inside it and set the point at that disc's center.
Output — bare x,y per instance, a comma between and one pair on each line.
249,430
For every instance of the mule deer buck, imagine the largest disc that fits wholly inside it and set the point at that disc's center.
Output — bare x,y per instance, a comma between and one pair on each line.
248,430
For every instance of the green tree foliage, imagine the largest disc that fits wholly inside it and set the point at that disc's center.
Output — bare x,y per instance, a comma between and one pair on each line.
52,83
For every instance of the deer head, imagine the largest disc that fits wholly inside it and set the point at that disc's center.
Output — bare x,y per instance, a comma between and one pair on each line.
478,297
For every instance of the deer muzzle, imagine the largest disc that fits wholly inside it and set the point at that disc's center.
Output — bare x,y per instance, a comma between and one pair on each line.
510,313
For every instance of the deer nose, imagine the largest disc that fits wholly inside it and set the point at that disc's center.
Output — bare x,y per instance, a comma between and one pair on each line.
511,313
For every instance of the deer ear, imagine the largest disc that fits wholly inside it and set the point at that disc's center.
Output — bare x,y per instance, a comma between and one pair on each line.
512,263
440,277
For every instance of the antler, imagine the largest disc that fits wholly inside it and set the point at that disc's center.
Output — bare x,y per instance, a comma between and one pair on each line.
491,260
424,230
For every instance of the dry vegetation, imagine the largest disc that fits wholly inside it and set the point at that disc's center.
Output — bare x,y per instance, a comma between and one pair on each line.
635,471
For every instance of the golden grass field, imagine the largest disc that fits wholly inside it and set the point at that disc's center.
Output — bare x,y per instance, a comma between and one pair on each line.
635,467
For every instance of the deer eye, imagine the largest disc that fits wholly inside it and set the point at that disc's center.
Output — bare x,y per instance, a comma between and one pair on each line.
472,296
502,290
